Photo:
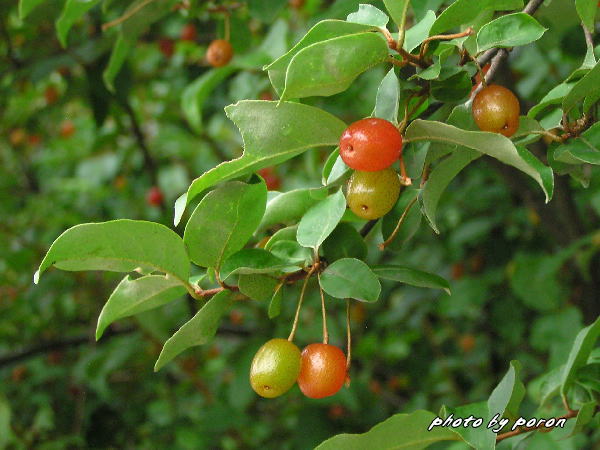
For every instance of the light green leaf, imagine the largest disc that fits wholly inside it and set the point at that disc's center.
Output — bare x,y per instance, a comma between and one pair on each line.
351,278
272,134
322,31
194,96
26,6
583,149
506,398
118,246
401,431
419,32
197,331
480,438
587,88
339,172
388,98
554,97
133,296
5,429
587,12
292,252
275,304
397,10
257,286
329,67
413,277
464,12
491,144
254,260
510,30
582,347
369,15
439,179
72,11
223,222
585,416
320,220
290,206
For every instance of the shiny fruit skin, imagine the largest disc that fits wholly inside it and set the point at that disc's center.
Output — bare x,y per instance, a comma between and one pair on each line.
271,178
371,195
189,33
154,196
496,109
219,53
323,370
275,368
370,145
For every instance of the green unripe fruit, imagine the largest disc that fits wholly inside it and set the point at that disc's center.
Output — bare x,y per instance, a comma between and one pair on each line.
275,368
371,195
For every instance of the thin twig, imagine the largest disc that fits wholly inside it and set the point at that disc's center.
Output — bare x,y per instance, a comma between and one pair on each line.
324,312
390,239
300,300
589,40
348,337
129,13
442,37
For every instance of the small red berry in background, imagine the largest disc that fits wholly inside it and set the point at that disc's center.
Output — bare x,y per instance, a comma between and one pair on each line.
166,47
236,317
266,95
496,109
219,53
154,196
370,145
467,343
458,271
272,180
67,128
323,370
297,4
51,94
34,140
336,412
189,33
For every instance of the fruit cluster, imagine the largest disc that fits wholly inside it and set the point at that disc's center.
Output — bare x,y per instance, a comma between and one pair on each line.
320,369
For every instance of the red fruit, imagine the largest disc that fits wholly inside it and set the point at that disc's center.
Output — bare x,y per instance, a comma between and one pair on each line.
67,128
34,140
236,317
51,94
370,145
496,109
458,271
154,196
166,47
323,370
484,69
272,180
189,33
266,95
297,4
219,53
467,343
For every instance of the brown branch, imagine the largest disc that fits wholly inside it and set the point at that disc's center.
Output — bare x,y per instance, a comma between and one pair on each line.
442,37
129,13
392,236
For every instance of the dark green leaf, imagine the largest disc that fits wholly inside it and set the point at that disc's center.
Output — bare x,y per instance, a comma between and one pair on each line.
397,10
587,12
320,220
419,32
292,252
344,242
197,331
275,304
464,12
582,347
254,260
587,88
413,277
72,11
257,287
350,278
26,6
506,398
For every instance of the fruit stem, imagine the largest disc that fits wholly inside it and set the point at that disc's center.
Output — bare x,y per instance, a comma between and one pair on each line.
390,239
227,25
300,300
324,313
349,337
405,179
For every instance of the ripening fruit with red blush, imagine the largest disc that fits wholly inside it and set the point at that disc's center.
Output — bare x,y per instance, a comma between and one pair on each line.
272,180
51,94
323,370
166,47
275,368
189,33
496,109
371,195
370,145
154,196
219,53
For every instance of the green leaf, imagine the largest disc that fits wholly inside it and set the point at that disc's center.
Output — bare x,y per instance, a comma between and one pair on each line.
26,6
413,277
320,220
339,172
254,260
587,12
131,29
369,15
344,242
397,10
72,11
223,222
506,398
401,431
585,416
292,252
5,429
118,246
583,149
133,296
329,163
554,97
419,32
197,331
388,98
582,347
510,30
290,206
546,386
272,134
275,304
480,438
491,144
322,31
452,89
439,179
194,96
588,88
329,67
257,286
351,278
285,234
464,12
411,223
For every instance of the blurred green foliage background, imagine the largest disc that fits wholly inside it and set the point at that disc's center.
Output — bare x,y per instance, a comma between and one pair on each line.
525,276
